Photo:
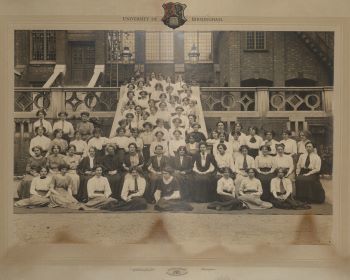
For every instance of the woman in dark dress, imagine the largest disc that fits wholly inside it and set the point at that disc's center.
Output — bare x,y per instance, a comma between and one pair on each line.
113,167
86,170
133,158
265,171
308,186
183,165
204,175
34,164
167,194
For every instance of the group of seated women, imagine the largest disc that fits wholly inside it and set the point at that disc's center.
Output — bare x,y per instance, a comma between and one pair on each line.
160,156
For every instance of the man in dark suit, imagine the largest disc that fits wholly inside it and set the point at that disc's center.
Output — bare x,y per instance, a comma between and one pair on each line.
156,165
182,165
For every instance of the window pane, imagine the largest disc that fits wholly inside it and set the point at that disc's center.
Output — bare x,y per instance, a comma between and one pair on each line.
250,40
50,45
38,45
260,40
166,46
152,46
127,40
203,42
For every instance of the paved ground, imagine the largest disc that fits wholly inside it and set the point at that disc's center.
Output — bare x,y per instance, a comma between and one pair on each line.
243,227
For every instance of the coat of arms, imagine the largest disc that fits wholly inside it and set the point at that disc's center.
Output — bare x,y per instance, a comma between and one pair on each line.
174,15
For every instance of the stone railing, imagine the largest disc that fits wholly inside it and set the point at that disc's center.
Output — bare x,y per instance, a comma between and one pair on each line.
233,102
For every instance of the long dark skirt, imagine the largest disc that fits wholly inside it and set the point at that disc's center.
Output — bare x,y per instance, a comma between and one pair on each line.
288,203
153,179
309,189
24,187
82,194
186,186
136,203
204,188
172,205
146,153
266,185
115,183
226,203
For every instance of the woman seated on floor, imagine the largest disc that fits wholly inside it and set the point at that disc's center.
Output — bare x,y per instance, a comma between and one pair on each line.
308,186
98,189
167,194
250,192
281,189
34,163
39,190
226,194
61,191
132,194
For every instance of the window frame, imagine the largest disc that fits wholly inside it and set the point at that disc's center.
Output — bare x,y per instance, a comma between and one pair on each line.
159,61
44,61
108,60
186,58
255,49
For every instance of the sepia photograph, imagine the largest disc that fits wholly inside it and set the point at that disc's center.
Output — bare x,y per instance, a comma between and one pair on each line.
234,127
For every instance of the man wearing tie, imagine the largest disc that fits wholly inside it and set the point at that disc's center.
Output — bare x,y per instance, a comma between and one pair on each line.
308,186
281,189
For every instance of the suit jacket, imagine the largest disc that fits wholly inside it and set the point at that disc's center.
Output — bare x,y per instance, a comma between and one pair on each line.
163,163
208,160
187,164
84,165
127,161
111,163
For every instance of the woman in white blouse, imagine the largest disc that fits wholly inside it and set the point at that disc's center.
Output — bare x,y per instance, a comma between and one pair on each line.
223,160
41,122
159,141
269,141
176,142
265,170
98,142
281,160
253,141
40,140
226,194
72,160
308,186
290,145
250,192
99,190
242,163
80,145
39,191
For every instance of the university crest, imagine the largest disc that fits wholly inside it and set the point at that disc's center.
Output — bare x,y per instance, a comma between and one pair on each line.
174,16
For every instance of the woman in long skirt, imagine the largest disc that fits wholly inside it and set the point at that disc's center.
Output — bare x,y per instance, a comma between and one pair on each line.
72,160
61,191
250,192
204,177
168,196
39,191
134,187
99,191
34,163
265,171
226,194
86,171
281,189
113,167
243,161
308,186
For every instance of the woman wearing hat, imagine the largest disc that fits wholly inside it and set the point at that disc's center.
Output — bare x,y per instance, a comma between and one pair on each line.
40,140
226,194
34,163
85,127
147,138
250,191
41,114
264,165
167,195
204,178
159,140
65,126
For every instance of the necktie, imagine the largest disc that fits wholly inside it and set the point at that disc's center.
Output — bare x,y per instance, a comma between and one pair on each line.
136,186
62,125
41,123
307,161
245,163
252,140
282,188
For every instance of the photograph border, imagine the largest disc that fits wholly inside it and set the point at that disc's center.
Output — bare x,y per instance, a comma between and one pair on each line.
69,252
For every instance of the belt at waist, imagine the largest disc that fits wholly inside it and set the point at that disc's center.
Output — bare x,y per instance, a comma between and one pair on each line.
41,192
250,191
287,153
102,192
132,192
281,193
265,169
